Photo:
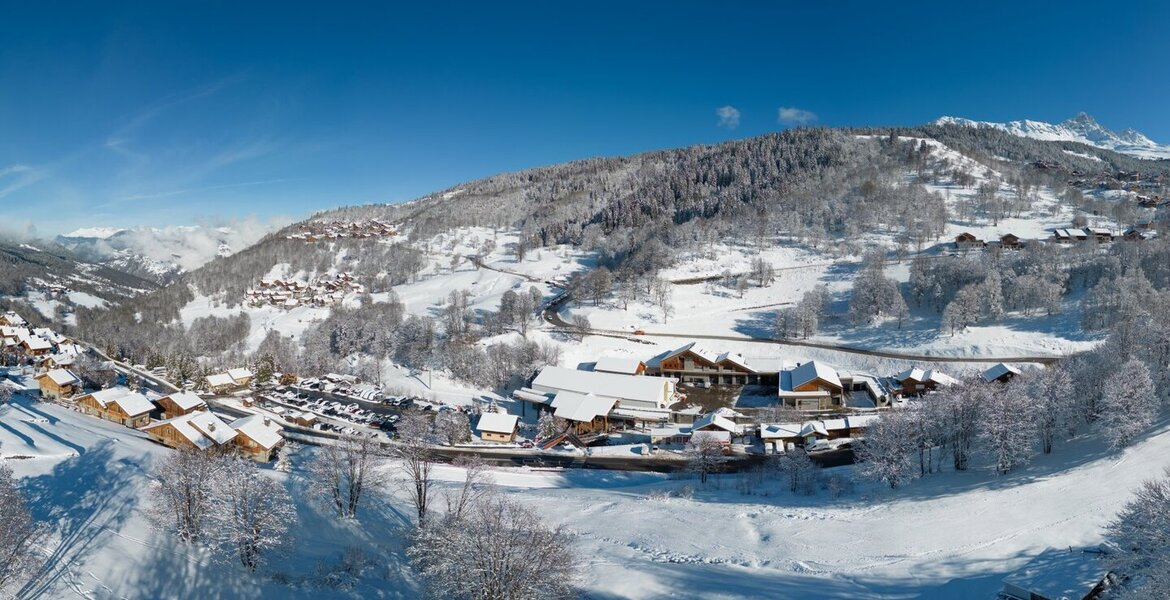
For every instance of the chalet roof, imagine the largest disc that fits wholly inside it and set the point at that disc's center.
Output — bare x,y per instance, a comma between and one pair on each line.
220,380
35,342
714,420
1059,573
812,370
849,422
936,376
63,360
239,374
203,429
497,422
617,364
998,371
771,431
14,319
652,390
132,403
186,400
60,377
581,407
260,429
926,375
707,355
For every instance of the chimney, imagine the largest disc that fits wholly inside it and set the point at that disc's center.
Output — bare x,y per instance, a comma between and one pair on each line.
267,422
211,426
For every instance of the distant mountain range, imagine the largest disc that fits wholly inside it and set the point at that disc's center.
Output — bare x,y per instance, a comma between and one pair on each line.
160,254
1081,128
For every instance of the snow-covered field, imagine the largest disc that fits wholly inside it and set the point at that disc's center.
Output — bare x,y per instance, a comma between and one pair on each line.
638,535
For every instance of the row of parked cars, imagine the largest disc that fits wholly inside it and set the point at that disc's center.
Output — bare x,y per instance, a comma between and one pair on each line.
352,413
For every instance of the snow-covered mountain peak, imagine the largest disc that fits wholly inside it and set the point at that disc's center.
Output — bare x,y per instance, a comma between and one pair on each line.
1082,128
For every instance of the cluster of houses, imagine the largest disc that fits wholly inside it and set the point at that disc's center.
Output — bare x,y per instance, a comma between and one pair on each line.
232,380
1101,235
38,346
628,392
178,420
331,230
289,293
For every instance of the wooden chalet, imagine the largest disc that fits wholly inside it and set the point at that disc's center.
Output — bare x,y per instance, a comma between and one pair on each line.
33,345
1000,373
915,381
498,427
811,386
177,405
11,319
119,405
968,241
257,437
58,384
1009,241
692,364
199,430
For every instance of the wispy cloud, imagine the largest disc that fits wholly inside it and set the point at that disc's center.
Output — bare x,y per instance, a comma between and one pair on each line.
790,115
16,177
728,116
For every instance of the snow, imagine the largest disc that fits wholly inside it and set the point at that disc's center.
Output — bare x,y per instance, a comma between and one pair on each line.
954,535
496,422
1081,128
100,233
87,300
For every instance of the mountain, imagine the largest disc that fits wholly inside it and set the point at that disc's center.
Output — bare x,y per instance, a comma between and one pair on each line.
161,254
52,274
1082,128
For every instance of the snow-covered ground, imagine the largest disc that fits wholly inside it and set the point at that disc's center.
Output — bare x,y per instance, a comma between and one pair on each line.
638,535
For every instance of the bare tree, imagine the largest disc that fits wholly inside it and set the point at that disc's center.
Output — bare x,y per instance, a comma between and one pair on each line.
184,492
581,327
340,473
255,512
19,533
663,295
476,481
415,459
704,456
496,549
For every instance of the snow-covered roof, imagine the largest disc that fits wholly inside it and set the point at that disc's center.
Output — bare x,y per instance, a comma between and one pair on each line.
649,390
618,364
220,380
998,371
132,403
913,373
60,377
715,420
497,422
14,319
849,422
813,370
239,374
581,407
35,342
1057,573
186,400
707,355
940,378
259,429
203,429
779,430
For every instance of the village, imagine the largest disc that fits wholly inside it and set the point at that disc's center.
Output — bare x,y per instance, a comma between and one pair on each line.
326,290
618,407
314,231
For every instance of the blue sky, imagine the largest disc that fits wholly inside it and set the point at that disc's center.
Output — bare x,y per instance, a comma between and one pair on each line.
164,113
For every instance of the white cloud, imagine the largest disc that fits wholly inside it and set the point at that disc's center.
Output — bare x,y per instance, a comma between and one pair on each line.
790,115
728,116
